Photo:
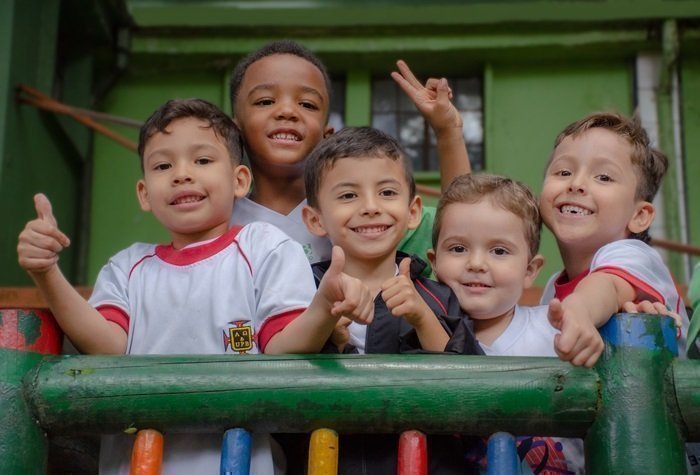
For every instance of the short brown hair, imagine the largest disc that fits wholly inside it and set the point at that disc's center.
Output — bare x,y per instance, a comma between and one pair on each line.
650,164
353,142
174,109
502,191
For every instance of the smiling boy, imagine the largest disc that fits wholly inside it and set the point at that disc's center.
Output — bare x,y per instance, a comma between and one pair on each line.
184,297
596,199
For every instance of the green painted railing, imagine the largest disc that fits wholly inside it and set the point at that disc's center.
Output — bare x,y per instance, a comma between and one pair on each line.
635,409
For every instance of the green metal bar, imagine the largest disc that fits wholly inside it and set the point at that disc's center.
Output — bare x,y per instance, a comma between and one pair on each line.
667,143
25,335
686,375
323,43
370,13
636,429
388,393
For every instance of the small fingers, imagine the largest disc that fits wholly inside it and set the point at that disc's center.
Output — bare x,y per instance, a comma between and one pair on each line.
407,73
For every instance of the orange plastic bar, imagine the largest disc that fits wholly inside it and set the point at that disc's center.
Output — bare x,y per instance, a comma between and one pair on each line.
413,453
323,452
147,455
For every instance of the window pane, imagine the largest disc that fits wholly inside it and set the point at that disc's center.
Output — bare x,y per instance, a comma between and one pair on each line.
336,119
394,113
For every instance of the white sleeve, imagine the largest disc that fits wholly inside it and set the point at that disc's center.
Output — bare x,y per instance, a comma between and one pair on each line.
548,292
111,286
641,266
281,272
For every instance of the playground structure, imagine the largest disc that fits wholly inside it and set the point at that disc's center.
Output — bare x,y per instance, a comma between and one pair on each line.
635,409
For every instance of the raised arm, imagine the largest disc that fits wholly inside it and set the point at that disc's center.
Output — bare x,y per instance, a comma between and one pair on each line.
338,295
39,245
433,102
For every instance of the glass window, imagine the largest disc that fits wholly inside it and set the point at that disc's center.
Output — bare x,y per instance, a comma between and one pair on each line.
394,113
336,119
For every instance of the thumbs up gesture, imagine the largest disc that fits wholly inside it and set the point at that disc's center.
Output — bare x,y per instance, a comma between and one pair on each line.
402,298
40,241
348,297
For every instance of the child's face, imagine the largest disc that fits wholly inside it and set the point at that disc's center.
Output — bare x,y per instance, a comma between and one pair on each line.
482,255
364,207
588,196
190,182
281,109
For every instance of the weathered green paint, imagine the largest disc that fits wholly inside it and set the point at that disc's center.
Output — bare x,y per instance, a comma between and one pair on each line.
358,98
476,395
686,375
23,444
636,428
252,13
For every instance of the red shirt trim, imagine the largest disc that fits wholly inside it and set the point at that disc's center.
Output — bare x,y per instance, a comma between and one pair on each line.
190,255
563,287
116,315
422,285
639,285
274,325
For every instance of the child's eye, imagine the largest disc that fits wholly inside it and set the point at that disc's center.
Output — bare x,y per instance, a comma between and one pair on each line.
500,251
203,160
457,249
161,166
562,173
264,102
348,195
309,105
604,177
388,192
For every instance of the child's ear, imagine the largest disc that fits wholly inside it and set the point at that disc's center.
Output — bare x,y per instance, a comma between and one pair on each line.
431,257
142,195
312,220
643,217
242,179
328,131
533,269
415,210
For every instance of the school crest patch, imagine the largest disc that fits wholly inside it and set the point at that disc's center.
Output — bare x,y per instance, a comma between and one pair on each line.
239,337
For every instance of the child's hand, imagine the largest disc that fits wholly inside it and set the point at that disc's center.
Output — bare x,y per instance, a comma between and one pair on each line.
41,240
347,296
402,299
579,341
652,308
341,334
431,100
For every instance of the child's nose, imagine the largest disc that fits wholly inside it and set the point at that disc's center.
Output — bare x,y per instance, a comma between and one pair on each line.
370,206
286,109
577,185
182,174
476,262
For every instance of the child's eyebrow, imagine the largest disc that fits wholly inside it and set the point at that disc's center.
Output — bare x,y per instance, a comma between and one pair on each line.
272,86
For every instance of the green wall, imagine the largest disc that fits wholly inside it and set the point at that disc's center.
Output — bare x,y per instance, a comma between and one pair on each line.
35,152
690,104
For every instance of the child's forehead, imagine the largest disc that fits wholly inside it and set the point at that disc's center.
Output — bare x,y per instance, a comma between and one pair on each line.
184,132
284,67
366,166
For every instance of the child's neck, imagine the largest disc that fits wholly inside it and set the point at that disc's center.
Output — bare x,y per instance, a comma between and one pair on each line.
372,272
576,261
488,330
280,194
180,241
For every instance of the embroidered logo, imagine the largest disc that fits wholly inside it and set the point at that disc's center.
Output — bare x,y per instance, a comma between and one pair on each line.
239,337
